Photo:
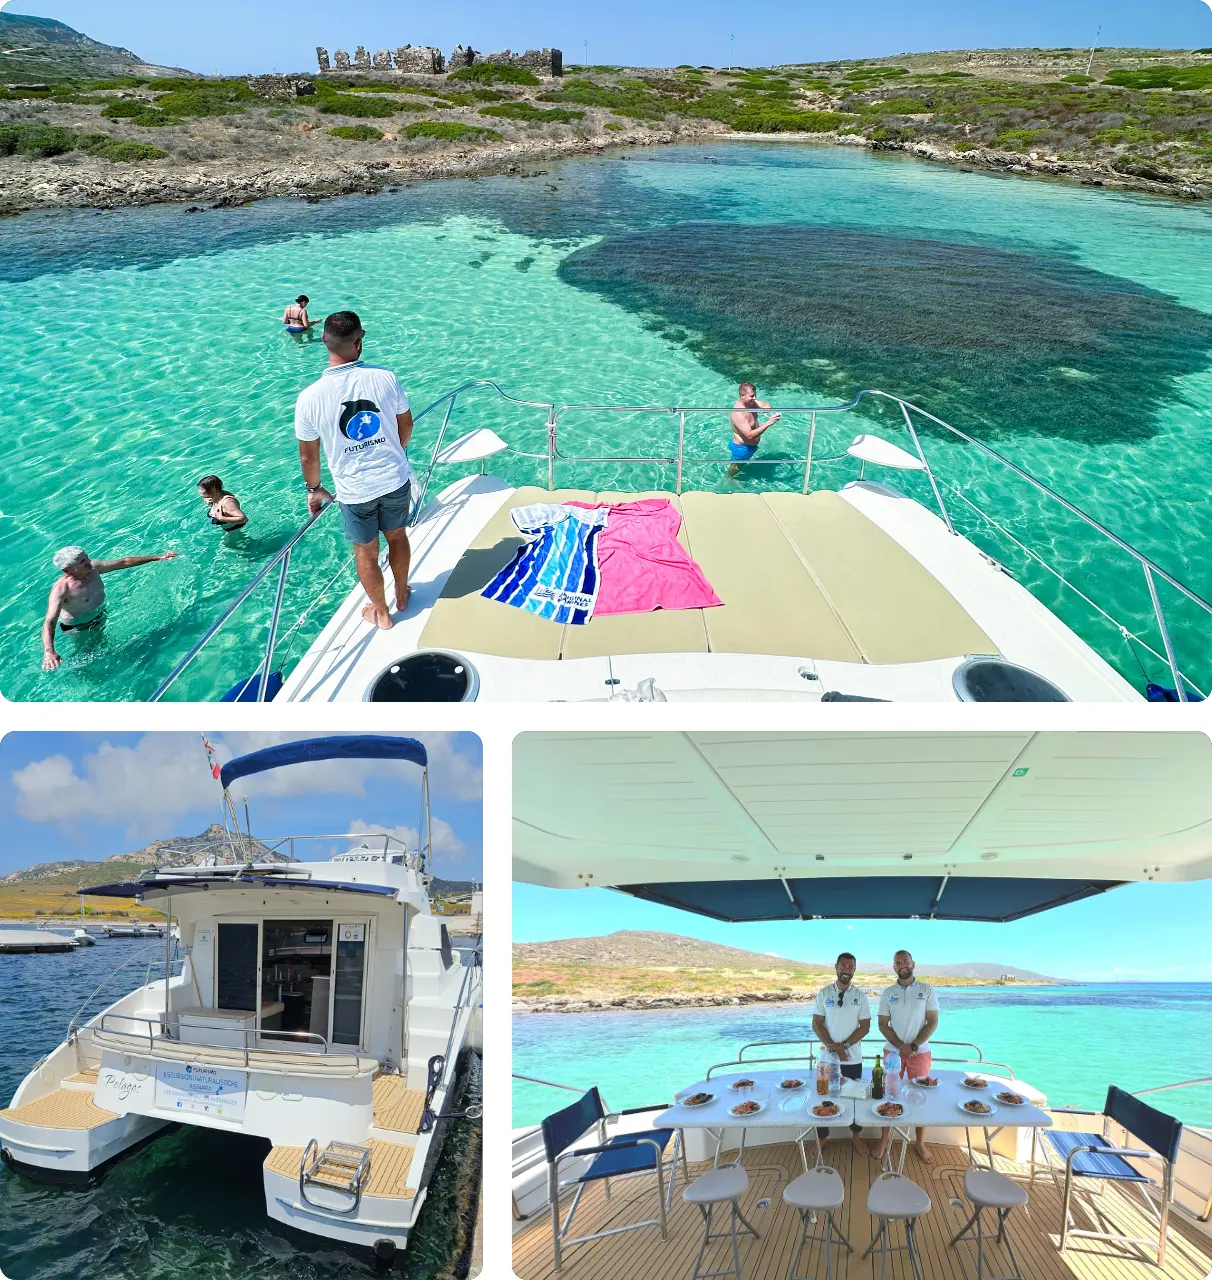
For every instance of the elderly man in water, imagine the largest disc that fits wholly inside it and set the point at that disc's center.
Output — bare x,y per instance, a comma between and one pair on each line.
746,433
77,600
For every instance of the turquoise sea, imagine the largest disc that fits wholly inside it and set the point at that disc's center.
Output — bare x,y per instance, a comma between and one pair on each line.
192,1201
1070,1042
1069,328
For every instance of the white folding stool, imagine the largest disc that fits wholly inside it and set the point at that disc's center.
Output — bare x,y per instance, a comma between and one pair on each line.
725,1184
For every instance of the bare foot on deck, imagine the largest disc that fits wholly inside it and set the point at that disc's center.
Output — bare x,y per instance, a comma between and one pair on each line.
863,1148
378,617
923,1154
403,595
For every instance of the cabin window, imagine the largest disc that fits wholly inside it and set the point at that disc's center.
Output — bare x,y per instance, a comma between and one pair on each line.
447,951
236,986
348,984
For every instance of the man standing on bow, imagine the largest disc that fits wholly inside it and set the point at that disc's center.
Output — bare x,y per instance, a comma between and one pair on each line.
361,416
840,1021
908,1017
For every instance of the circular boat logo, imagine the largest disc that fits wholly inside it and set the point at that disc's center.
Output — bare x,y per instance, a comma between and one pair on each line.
360,420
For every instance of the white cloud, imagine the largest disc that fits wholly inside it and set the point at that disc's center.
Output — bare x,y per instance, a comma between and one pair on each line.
446,842
165,775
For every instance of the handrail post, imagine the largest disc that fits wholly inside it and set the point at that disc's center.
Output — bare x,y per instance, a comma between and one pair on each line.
938,497
273,626
433,459
1167,643
808,460
551,448
681,448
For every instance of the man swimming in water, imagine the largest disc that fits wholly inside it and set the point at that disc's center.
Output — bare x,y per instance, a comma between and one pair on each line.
745,430
77,600
295,319
222,507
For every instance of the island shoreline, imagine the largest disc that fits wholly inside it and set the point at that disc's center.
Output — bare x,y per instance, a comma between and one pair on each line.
47,185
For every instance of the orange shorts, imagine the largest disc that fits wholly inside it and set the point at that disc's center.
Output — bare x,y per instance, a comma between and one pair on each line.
916,1066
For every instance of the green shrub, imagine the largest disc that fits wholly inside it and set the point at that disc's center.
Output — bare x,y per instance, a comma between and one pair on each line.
632,102
123,152
491,73
451,131
531,114
38,140
1162,78
180,97
789,121
357,132
1017,139
469,97
905,106
613,126
364,106
139,113
1077,79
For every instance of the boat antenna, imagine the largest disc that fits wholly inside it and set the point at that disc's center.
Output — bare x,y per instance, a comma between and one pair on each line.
427,854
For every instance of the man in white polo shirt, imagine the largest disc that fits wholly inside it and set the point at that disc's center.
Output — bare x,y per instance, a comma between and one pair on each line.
908,1017
841,1019
360,415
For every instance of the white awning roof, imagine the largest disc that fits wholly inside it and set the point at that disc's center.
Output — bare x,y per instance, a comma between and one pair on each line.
641,809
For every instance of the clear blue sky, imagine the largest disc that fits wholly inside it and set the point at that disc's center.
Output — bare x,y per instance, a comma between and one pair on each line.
234,36
90,795
1145,932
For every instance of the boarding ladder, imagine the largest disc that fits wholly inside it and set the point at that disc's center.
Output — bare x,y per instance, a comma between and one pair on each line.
343,1167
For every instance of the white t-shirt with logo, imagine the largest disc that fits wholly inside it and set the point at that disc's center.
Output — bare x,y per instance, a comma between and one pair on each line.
843,1011
906,1009
352,411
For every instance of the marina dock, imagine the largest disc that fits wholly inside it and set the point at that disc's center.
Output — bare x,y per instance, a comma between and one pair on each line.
27,941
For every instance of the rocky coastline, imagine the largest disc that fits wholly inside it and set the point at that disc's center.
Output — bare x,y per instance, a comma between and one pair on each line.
634,1003
231,182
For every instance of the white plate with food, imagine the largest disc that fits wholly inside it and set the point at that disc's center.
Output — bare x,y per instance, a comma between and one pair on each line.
791,1084
978,1108
746,1110
1010,1098
926,1082
826,1110
974,1082
743,1083
699,1099
886,1111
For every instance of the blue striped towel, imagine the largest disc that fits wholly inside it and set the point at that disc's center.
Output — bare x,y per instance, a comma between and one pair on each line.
555,575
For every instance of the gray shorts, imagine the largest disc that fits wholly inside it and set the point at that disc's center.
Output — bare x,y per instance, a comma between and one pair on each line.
364,521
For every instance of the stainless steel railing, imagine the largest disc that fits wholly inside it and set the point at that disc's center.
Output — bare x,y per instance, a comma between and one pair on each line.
554,457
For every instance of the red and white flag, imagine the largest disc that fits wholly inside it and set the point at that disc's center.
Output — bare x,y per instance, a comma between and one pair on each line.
215,767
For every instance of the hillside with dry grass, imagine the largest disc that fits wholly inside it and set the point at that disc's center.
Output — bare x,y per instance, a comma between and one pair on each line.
1129,118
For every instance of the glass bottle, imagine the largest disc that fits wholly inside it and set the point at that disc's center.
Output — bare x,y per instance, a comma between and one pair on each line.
877,1079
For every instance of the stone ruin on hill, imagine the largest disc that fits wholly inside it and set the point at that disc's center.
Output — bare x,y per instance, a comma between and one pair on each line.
280,88
426,60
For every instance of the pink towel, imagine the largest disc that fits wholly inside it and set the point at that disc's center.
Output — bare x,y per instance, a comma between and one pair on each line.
643,566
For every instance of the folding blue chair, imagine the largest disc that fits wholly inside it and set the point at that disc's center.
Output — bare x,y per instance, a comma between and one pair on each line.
625,1155
1092,1156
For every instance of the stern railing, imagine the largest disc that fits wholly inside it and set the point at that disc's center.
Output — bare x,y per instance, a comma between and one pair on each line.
554,457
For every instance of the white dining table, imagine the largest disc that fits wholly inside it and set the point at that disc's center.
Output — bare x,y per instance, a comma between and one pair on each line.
939,1107
943,1107
780,1108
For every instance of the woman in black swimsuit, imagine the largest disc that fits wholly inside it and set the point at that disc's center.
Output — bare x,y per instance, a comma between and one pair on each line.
295,318
222,507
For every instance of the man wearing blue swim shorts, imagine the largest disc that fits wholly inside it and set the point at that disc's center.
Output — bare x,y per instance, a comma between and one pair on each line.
360,414
745,430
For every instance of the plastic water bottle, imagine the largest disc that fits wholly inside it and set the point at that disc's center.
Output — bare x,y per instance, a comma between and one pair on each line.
892,1065
835,1077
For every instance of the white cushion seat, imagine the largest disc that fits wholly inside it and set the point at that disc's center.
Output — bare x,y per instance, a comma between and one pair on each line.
820,1188
716,1186
892,1195
990,1190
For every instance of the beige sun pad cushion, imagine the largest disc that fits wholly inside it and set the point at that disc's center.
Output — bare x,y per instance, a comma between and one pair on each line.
463,619
658,631
894,609
771,604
